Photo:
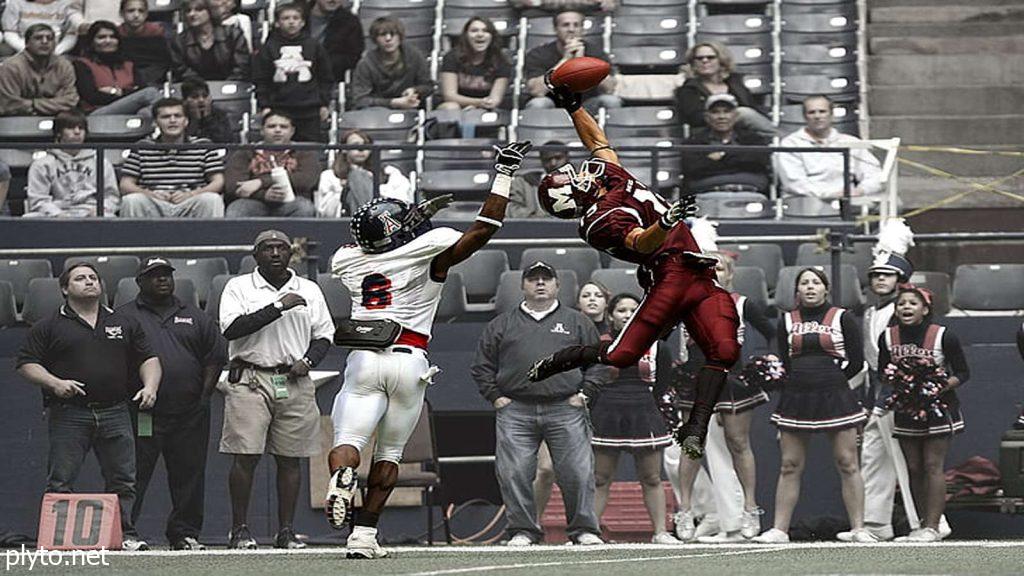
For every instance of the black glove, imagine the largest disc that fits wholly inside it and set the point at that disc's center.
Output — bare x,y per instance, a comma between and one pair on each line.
562,96
685,207
509,158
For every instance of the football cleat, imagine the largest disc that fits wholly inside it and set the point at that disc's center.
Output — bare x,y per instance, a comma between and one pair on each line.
340,492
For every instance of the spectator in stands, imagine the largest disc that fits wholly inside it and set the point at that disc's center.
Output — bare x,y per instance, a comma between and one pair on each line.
81,357
348,184
393,74
205,119
192,353
106,78
733,170
35,82
821,175
625,417
278,328
147,42
553,410
96,10
293,75
569,43
593,300
62,184
62,16
709,71
475,73
561,5
332,24
925,441
522,200
206,49
250,188
821,348
226,12
172,183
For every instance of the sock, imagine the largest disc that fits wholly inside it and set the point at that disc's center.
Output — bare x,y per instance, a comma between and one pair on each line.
710,383
367,518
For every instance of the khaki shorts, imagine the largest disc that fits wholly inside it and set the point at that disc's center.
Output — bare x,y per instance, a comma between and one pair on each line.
255,421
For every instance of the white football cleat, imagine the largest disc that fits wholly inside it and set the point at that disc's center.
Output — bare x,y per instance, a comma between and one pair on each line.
362,543
340,492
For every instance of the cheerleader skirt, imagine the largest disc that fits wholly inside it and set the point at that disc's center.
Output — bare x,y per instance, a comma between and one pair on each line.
825,407
736,396
950,422
628,421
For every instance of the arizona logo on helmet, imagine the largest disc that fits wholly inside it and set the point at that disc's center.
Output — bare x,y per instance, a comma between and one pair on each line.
389,224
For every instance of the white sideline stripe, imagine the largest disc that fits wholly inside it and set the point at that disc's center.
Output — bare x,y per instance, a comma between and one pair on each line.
748,547
496,567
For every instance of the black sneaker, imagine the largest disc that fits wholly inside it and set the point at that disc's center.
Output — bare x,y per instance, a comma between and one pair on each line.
240,539
561,361
187,543
286,539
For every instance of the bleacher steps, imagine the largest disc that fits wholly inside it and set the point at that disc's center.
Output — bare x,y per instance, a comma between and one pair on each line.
955,100
938,70
965,13
898,44
951,130
918,190
876,4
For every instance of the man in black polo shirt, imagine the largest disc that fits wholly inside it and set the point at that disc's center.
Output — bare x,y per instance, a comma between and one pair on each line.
81,358
192,353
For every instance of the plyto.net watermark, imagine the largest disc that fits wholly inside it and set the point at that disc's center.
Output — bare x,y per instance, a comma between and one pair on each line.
30,558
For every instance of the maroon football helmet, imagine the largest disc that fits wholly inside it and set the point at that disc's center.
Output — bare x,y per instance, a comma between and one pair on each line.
567,193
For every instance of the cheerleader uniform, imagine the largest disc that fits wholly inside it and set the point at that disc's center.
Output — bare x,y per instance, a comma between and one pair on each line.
821,349
939,345
736,396
1019,425
625,415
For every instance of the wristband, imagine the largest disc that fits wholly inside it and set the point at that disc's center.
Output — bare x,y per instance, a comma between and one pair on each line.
501,185
486,220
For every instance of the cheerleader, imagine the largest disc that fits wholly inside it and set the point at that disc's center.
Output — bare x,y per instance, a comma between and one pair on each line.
821,348
925,441
735,408
626,418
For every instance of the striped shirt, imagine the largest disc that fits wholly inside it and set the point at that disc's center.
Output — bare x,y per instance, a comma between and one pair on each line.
174,169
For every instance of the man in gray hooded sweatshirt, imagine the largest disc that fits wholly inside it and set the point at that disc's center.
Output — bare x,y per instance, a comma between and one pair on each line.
62,184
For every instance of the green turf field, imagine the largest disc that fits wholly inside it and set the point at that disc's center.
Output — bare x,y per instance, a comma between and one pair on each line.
978,557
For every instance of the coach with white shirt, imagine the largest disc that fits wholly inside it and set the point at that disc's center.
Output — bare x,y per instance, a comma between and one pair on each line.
278,327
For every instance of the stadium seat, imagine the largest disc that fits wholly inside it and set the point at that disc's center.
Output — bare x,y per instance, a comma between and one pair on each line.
382,125
247,265
201,271
852,298
128,290
735,29
767,257
118,128
668,30
216,290
810,254
493,9
583,261
18,273
251,7
649,59
26,128
464,184
339,299
480,274
163,9
829,69
839,88
642,121
421,449
641,163
403,159
111,268
232,96
8,309
541,30
510,290
486,123
44,297
818,54
618,281
479,159
651,7
751,282
453,298
818,23
809,207
418,23
989,287
616,263
758,80
791,117
751,56
938,283
542,125
832,7
734,205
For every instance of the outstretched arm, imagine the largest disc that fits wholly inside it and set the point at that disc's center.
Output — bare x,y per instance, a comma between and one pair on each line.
590,133
491,216
648,240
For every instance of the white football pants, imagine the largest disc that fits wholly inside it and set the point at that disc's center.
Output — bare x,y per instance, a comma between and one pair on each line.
882,466
719,493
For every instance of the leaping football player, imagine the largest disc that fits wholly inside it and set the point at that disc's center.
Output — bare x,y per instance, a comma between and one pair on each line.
395,274
620,215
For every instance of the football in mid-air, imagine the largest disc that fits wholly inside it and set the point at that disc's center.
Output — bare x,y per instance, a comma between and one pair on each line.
581,74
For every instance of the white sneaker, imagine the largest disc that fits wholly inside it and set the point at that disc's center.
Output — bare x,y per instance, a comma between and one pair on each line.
944,528
133,544
519,540
750,522
684,526
340,492
862,536
878,532
925,534
709,526
664,538
733,537
772,536
588,539
362,543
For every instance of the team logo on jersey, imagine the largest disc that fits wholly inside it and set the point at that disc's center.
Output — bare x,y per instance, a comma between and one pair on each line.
389,223
114,332
559,329
180,320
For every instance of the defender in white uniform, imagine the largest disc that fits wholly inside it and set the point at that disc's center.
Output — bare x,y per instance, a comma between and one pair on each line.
396,273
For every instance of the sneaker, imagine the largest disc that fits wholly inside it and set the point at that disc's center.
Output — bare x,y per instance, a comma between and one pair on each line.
862,536
684,525
664,538
709,526
286,538
519,540
134,544
772,536
944,528
240,539
925,534
734,537
362,543
588,539
340,492
187,543
561,361
750,523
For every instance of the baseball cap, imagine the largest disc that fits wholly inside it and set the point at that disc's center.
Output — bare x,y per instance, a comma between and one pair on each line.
539,268
268,235
727,99
153,263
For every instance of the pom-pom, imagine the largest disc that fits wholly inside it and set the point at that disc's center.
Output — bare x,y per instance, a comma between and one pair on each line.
766,372
894,237
917,387
705,232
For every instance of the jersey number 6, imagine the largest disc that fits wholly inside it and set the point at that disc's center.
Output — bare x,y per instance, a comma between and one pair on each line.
376,292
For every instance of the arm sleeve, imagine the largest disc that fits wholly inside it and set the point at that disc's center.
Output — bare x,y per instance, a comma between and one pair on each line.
40,201
67,41
782,341
854,345
884,359
262,77
241,59
10,23
534,64
609,232
214,344
179,64
247,324
362,87
213,162
792,173
698,164
87,88
689,105
66,97
11,101
324,73
112,195
485,364
36,347
754,314
306,174
422,81
663,380
955,358
141,346
868,171
236,169
595,376
317,350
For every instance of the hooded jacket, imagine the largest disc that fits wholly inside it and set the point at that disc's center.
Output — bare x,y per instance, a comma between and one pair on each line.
292,73
60,184
374,84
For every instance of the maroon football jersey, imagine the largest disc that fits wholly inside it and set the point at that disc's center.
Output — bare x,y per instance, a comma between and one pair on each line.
629,204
